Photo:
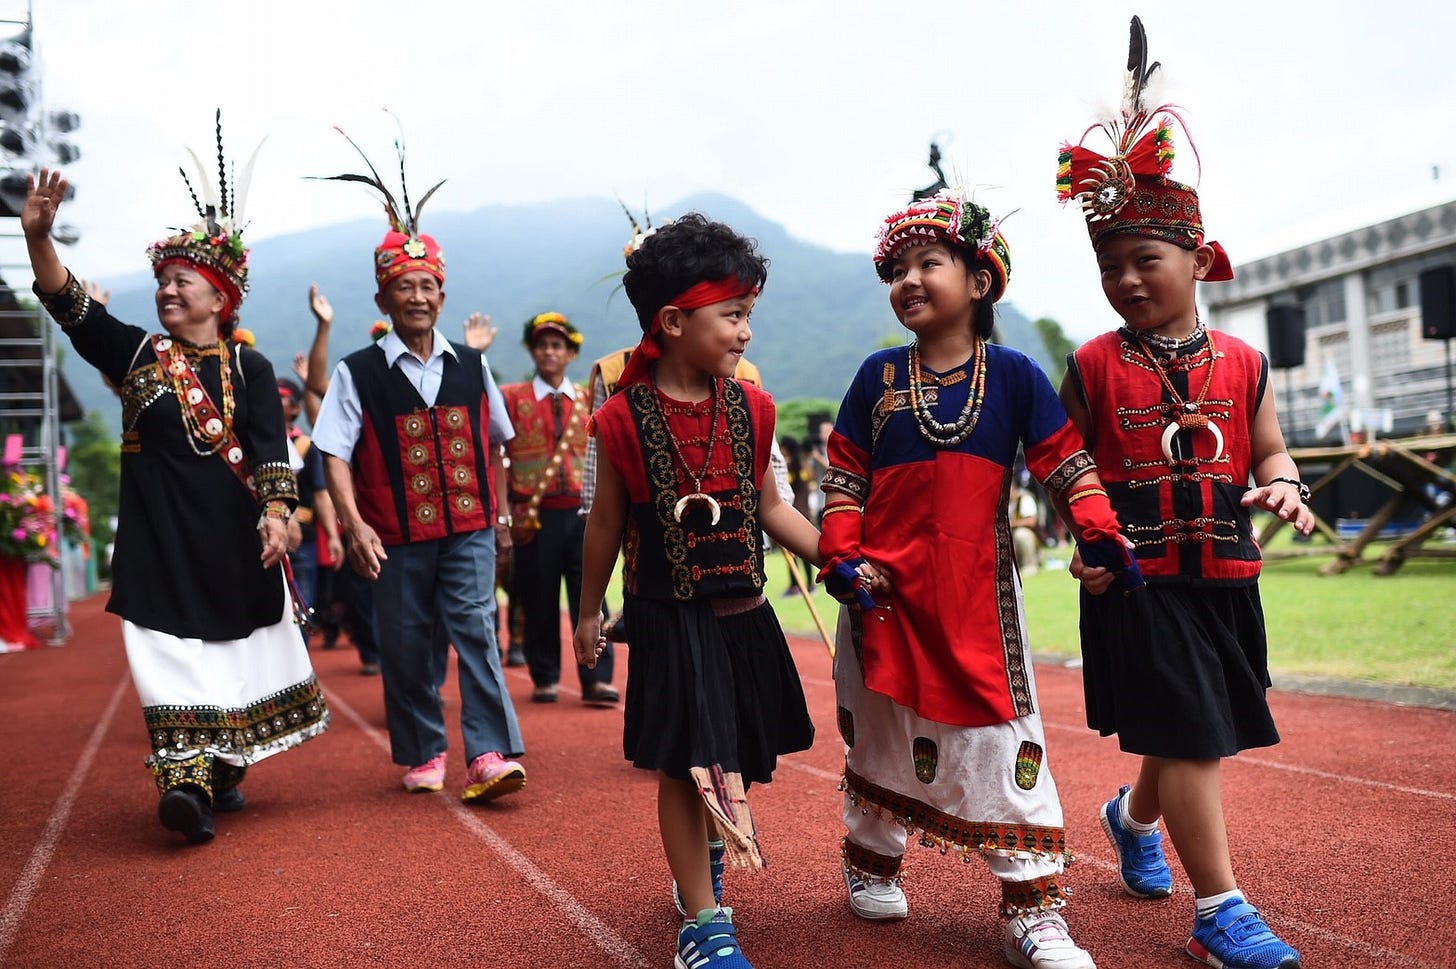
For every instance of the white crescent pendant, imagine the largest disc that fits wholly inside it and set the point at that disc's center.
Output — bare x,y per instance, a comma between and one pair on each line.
685,500
1175,427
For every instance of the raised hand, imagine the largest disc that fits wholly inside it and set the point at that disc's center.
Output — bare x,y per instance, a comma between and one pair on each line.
43,198
479,334
319,303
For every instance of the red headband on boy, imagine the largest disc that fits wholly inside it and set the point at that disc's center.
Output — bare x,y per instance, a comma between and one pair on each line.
695,296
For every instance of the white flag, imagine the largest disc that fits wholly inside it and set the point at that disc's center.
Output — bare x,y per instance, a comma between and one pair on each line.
1332,401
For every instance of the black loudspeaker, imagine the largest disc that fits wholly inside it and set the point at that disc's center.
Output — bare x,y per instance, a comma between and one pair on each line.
1438,303
1285,322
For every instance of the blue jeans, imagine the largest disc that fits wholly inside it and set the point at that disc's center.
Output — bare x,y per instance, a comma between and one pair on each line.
450,581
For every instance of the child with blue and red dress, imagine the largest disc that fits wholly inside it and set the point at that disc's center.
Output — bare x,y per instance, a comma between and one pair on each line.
937,698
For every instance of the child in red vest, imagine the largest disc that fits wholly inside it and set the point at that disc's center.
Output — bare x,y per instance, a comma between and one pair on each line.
684,491
1181,421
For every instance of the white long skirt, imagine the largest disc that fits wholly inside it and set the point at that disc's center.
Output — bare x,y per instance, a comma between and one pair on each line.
970,791
238,700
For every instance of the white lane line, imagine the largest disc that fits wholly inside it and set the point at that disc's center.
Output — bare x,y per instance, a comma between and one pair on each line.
792,761
1295,769
618,950
45,848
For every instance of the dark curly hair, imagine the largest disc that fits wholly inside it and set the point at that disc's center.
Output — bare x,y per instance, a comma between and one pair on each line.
683,253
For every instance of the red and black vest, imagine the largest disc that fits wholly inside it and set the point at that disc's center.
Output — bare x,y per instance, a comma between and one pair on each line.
422,473
664,558
1182,512
540,447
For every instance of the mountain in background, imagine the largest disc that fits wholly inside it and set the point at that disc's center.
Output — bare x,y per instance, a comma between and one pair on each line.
820,314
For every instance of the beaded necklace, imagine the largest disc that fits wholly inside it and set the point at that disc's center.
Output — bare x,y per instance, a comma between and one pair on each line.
1172,344
948,435
697,494
1187,414
201,421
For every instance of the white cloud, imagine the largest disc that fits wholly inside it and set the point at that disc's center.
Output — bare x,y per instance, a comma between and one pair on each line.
817,113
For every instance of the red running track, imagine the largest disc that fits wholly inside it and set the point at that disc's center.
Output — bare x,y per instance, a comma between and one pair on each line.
1343,835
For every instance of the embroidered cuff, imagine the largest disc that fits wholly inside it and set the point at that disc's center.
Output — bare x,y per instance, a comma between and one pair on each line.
70,305
274,481
1076,464
847,482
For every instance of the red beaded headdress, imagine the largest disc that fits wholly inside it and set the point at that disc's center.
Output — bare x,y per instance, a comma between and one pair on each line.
1129,191
947,217
404,249
214,246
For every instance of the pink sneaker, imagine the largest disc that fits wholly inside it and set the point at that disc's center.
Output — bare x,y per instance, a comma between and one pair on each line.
429,776
491,775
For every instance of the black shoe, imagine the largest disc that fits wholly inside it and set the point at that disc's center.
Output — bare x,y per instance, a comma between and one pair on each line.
600,695
515,656
185,810
231,799
616,631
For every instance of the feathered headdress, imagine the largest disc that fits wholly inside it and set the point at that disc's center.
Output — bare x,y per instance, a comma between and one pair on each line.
1129,191
639,232
950,218
404,248
214,246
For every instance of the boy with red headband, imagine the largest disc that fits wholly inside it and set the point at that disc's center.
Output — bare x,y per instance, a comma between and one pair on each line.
937,699
684,490
1181,421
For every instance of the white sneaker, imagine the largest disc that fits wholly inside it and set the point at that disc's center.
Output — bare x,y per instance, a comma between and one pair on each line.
1041,941
876,899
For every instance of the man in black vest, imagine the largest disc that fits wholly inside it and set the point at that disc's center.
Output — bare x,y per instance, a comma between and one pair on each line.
412,428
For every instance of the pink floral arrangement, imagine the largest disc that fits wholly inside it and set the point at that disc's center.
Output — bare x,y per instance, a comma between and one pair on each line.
28,520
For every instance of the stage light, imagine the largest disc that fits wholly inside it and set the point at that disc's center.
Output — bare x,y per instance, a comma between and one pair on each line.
17,140
12,194
64,121
66,235
16,58
65,152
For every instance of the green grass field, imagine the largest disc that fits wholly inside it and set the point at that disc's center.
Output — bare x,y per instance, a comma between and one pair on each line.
1398,629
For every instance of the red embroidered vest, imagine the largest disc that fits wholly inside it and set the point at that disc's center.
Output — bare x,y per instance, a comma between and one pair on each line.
536,446
422,473
667,558
1175,491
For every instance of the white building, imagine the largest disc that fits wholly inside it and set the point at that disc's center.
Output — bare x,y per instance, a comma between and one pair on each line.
1361,296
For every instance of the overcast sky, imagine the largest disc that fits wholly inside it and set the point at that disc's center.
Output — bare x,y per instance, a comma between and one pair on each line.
1309,118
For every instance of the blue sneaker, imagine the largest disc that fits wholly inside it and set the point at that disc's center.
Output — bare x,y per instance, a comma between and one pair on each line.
716,851
1235,937
1141,867
711,942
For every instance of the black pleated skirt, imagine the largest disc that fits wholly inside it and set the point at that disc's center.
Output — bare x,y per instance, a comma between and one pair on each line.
707,688
1178,672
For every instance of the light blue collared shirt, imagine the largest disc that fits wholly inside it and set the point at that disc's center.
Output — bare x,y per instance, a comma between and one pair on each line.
341,418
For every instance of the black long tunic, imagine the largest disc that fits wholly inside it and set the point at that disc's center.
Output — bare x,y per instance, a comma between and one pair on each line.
187,555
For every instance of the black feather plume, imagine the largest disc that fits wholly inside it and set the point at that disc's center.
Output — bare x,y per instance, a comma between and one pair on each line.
192,192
